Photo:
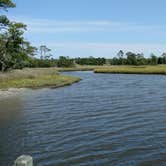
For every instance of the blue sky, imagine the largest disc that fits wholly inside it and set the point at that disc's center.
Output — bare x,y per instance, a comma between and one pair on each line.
94,27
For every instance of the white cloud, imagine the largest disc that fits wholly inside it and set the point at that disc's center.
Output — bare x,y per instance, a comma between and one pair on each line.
38,27
56,26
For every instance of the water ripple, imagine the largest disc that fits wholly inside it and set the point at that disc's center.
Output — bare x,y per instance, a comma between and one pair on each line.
116,120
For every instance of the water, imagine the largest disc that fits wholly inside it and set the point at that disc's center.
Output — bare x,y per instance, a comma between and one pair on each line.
116,120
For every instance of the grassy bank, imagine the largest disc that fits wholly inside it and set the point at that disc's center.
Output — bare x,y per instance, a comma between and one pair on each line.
35,78
159,69
78,68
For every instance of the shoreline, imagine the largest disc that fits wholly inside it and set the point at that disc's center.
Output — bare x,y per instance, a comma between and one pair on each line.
34,79
146,70
13,92
130,73
66,81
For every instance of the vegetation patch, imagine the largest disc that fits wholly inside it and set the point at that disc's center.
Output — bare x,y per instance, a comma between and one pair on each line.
159,69
78,68
35,78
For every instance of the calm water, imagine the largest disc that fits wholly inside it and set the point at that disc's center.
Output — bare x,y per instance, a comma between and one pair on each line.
116,120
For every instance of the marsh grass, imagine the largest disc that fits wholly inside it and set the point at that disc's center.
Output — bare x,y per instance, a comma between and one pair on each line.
35,78
79,68
159,69
27,73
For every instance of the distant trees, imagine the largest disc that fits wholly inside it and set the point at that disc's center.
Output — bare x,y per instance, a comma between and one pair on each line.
137,59
44,52
90,61
16,52
65,62
131,58
120,54
163,58
153,60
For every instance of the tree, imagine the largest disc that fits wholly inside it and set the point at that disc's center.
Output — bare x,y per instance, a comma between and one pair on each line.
44,52
5,4
114,61
120,54
4,57
65,62
14,50
90,61
154,59
131,58
163,58
141,59
14,43
4,22
29,50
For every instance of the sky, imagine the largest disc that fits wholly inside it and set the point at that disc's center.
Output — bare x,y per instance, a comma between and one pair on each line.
99,28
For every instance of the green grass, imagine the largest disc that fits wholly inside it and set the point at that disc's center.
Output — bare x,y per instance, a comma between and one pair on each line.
159,69
35,78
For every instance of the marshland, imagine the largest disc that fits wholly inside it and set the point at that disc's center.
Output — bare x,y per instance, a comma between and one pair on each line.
83,83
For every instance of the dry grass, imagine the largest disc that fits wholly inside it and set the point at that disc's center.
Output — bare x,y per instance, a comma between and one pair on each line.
79,68
34,78
27,73
159,69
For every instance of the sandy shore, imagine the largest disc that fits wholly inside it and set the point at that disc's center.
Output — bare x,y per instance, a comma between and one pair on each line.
11,92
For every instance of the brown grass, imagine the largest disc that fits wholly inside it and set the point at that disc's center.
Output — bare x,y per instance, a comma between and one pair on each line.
35,78
158,69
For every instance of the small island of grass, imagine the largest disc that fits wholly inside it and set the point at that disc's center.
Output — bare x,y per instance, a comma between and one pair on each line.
35,78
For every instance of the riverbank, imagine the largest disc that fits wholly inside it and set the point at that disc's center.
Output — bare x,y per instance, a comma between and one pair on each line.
79,68
49,77
159,69
35,78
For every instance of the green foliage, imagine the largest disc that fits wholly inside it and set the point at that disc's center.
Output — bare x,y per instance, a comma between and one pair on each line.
153,60
90,61
14,50
44,52
42,63
65,62
5,4
137,59
4,22
131,58
17,53
13,53
120,54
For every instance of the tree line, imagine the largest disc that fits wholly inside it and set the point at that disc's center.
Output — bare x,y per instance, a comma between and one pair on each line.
131,58
17,53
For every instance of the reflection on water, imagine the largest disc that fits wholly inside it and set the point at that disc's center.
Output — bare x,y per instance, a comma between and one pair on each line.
12,133
10,108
